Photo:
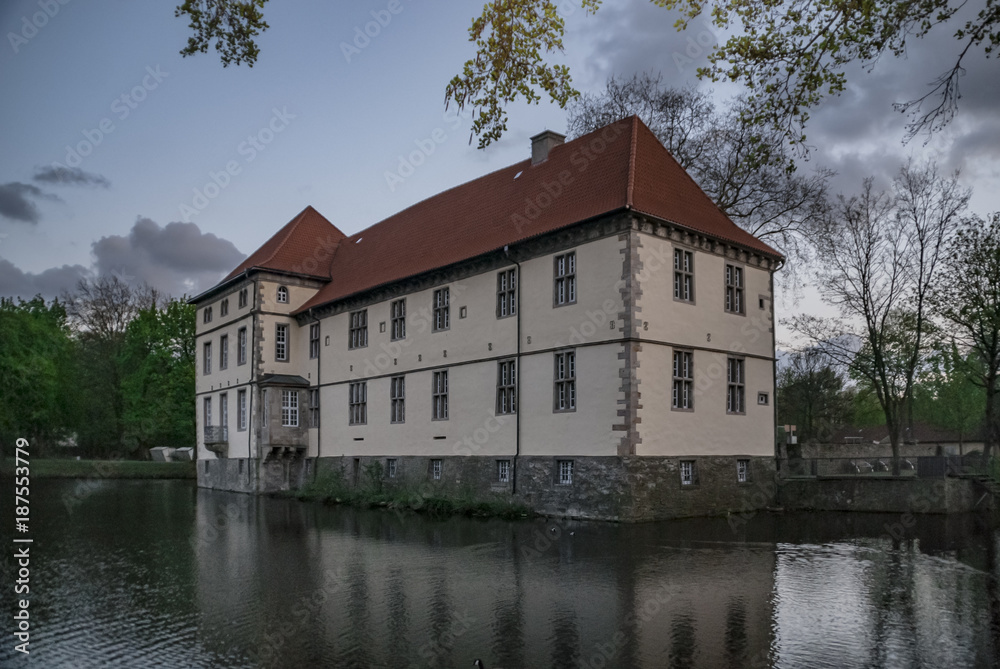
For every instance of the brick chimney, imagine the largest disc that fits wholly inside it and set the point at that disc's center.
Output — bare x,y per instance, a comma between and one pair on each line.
542,143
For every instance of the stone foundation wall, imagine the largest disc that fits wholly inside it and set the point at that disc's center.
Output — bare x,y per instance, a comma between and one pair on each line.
878,494
253,476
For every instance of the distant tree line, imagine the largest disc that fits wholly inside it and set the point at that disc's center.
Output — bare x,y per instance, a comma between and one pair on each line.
108,368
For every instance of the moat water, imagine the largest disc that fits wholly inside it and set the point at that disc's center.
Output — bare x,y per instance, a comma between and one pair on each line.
159,573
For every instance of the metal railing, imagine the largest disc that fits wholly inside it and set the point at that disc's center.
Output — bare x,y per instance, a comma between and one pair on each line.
216,434
924,466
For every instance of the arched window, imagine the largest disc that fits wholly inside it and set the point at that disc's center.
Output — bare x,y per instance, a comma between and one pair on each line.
282,295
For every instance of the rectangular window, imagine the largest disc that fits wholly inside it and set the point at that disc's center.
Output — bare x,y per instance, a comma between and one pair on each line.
507,387
208,411
281,342
436,470
243,298
683,397
289,408
683,275
506,293
359,329
224,307
207,358
241,347
742,471
313,341
503,471
440,395
734,289
314,407
565,381
358,403
264,408
565,472
398,312
390,468
241,408
442,309
397,399
689,475
223,351
565,271
224,415
735,398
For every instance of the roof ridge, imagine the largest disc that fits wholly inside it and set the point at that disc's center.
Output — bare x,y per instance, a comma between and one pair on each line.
631,162
290,227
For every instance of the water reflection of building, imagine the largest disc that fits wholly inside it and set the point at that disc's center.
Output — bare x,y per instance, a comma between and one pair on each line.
299,584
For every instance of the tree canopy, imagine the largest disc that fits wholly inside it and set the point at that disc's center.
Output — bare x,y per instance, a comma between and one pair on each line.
788,54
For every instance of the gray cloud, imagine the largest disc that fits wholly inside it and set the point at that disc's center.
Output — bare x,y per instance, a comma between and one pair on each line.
176,259
69,176
16,201
50,283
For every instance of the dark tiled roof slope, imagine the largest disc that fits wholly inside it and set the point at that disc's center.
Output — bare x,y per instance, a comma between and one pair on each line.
305,245
621,166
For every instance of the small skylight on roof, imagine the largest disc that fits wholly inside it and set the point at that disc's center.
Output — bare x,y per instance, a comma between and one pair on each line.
358,240
519,174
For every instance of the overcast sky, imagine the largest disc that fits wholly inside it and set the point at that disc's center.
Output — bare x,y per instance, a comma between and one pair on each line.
111,138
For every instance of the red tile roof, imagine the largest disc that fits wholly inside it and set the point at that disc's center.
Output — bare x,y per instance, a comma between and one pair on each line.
305,245
621,166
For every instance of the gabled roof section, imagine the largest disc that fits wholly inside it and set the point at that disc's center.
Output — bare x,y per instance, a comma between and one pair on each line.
305,245
618,167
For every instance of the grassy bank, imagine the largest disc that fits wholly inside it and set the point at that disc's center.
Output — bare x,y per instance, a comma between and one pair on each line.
104,469
332,488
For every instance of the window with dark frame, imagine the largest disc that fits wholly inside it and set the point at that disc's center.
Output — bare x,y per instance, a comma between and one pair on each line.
503,471
507,387
241,409
282,295
224,415
206,315
224,352
359,329
289,408
735,396
398,318
565,381
565,472
208,411
440,395
683,394
390,468
506,293
313,341
358,403
281,342
743,471
442,309
565,278
689,473
734,289
224,307
241,346
243,298
683,275
314,407
397,399
207,358
436,469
